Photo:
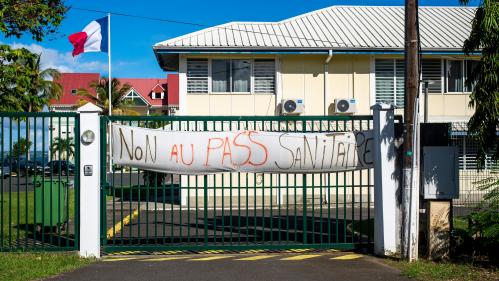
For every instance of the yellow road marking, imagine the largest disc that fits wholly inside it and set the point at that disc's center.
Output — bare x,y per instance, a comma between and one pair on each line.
118,259
212,252
117,227
212,258
296,250
166,259
348,257
252,251
300,257
256,258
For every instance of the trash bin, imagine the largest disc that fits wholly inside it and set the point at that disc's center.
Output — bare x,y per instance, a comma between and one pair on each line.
51,199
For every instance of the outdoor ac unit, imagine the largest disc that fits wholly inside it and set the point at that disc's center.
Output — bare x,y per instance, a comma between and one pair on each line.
292,106
345,106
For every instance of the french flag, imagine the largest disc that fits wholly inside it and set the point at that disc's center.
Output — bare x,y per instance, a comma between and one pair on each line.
93,38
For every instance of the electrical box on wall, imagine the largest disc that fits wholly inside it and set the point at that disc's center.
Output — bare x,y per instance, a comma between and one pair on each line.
440,178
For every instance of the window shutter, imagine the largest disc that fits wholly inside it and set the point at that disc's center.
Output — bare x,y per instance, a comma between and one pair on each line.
390,81
197,76
399,91
264,76
432,70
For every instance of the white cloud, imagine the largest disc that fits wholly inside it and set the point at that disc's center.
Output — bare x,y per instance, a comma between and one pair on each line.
64,62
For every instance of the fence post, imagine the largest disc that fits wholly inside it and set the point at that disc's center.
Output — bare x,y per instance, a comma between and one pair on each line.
89,168
385,181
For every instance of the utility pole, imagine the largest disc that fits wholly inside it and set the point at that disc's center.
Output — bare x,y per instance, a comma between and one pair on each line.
410,191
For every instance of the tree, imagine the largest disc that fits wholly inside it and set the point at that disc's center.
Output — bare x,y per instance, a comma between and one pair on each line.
42,88
484,38
65,146
101,88
37,17
21,147
14,76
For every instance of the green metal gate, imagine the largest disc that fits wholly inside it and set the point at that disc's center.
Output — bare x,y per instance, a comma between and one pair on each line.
150,211
39,187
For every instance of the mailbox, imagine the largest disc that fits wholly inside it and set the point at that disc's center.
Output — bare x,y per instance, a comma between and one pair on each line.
440,177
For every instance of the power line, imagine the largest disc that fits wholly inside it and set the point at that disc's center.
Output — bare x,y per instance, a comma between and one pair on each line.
315,40
140,17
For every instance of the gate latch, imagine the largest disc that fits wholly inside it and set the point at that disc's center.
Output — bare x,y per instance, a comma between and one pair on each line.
88,170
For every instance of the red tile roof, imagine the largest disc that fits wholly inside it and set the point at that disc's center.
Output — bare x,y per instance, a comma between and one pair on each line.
73,81
144,86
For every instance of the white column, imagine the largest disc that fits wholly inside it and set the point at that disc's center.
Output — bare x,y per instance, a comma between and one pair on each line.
89,186
385,181
182,86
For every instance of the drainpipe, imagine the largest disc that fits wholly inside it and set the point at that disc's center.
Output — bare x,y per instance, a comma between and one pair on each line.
325,199
326,73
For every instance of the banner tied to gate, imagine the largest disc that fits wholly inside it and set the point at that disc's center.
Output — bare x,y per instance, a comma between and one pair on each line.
197,153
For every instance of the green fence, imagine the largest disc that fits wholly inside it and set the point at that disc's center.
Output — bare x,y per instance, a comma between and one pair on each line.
152,211
39,181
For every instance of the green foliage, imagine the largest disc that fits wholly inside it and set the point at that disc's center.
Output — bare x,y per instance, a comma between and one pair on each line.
484,38
431,271
24,86
480,235
101,88
37,17
13,76
21,147
37,266
491,185
66,147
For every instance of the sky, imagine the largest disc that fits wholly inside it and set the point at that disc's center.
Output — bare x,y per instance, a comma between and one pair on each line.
132,38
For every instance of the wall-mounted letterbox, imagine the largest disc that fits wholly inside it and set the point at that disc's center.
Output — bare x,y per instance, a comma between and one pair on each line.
440,179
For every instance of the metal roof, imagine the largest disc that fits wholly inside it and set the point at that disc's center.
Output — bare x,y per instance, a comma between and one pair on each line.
336,28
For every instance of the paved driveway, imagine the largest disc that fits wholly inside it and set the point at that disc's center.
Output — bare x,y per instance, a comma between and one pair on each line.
240,267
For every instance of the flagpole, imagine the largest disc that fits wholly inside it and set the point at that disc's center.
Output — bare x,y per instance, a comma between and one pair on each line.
109,61
109,98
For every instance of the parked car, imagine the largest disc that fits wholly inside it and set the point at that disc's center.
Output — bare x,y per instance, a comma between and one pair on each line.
5,171
62,167
28,168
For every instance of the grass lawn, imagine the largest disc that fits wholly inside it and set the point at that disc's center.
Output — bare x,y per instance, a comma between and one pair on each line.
20,205
34,266
432,271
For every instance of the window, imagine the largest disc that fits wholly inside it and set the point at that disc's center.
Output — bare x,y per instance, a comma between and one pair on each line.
135,99
390,81
470,67
197,76
431,71
455,75
264,76
220,73
241,75
157,96
231,75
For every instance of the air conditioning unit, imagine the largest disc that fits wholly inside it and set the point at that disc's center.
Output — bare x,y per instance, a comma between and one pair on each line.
345,106
292,106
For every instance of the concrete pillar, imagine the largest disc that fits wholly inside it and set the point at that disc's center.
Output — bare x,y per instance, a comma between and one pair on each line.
385,181
90,153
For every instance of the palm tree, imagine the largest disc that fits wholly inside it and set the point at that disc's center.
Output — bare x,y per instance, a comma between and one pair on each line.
65,146
43,87
101,87
34,88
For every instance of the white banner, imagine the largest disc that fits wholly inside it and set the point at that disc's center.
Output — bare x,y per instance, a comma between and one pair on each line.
186,152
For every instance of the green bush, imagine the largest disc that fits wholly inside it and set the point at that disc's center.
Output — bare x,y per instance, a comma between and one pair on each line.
479,236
